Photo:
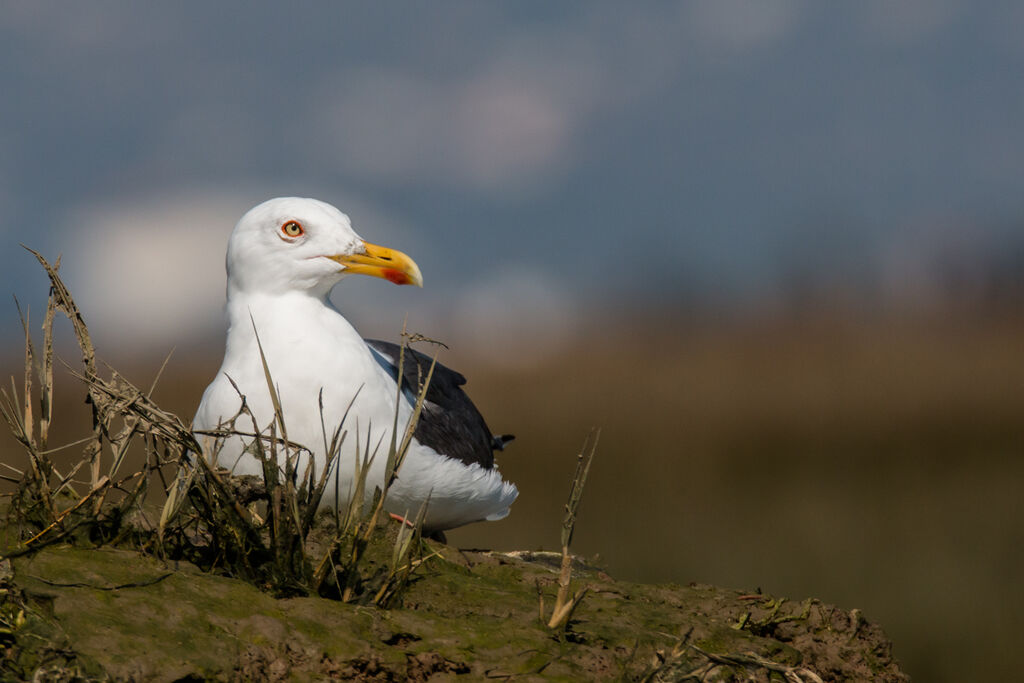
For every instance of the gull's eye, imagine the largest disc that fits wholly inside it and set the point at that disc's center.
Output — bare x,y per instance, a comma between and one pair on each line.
292,229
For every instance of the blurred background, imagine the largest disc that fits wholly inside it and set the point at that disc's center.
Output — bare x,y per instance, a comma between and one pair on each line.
773,248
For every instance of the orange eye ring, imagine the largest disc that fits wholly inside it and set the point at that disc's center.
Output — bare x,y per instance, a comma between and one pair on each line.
292,229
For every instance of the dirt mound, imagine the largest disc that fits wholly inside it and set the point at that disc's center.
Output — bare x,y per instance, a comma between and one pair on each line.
94,614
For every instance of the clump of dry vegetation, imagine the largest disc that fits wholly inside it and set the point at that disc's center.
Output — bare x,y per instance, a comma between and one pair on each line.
265,530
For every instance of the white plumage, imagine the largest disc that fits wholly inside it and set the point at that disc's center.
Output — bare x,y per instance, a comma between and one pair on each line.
283,259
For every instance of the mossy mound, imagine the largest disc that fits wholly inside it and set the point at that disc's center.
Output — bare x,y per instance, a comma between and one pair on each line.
74,613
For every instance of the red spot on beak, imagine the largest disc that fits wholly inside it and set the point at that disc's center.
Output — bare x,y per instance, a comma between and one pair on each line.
397,277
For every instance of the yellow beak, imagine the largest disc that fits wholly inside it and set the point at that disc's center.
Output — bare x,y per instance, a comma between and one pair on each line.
390,264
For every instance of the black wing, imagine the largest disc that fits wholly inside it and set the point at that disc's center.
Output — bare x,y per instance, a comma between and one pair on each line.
449,423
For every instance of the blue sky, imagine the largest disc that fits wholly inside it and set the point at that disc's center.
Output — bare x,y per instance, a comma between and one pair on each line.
536,160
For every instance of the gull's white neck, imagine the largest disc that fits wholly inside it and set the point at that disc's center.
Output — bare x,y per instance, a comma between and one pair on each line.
290,324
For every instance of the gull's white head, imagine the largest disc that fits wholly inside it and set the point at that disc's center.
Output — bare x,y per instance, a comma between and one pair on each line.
291,243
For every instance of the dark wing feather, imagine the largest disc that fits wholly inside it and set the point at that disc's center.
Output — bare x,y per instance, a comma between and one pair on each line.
449,423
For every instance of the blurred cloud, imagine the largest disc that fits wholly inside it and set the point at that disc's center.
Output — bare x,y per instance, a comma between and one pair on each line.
486,133
504,125
79,27
743,24
908,20
150,273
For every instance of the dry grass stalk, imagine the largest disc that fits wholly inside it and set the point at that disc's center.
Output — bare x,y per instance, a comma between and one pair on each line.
60,296
564,604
